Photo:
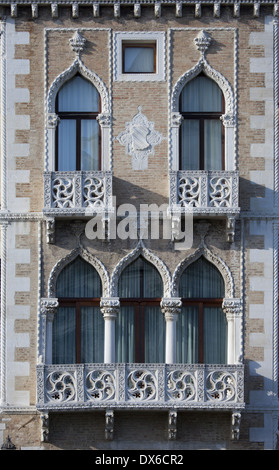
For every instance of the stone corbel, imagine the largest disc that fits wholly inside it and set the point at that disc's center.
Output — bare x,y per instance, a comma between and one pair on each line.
35,10
217,10
116,9
54,10
178,9
157,9
109,425
75,10
50,230
137,10
172,425
198,12
96,10
44,427
230,229
236,419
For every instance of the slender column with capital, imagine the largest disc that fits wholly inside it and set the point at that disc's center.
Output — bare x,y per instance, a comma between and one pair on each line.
48,309
171,308
233,310
109,309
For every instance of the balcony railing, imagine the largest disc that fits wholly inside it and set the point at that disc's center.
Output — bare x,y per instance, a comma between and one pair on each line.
76,192
62,387
205,192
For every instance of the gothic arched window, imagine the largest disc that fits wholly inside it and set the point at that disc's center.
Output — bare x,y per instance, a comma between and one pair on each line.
201,133
78,133
140,325
202,324
78,325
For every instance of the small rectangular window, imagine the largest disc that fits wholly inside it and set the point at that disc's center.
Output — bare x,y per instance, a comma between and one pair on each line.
139,57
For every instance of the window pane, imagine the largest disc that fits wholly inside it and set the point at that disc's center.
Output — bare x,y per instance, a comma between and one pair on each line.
212,144
89,144
187,335
140,279
154,335
190,145
201,95
215,336
78,95
92,335
125,334
139,60
64,336
201,280
67,145
78,279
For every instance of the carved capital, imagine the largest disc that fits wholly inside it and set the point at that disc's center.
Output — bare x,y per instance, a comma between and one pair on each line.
52,120
110,307
176,119
171,307
232,308
49,307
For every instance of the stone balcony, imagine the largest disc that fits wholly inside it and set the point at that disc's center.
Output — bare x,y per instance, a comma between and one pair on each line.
206,194
75,193
140,386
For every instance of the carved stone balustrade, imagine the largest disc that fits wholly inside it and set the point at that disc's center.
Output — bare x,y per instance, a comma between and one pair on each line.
87,386
76,192
206,193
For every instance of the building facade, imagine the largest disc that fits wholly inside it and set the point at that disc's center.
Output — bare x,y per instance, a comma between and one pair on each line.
139,224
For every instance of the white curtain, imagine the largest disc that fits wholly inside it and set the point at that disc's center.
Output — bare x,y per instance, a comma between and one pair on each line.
78,95
89,145
78,280
140,328
139,59
201,95
202,280
67,145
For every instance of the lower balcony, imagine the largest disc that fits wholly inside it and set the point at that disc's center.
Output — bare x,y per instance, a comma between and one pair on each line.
140,386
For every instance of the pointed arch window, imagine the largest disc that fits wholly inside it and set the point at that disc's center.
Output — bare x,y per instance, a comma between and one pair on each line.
78,132
78,326
202,132
202,324
140,325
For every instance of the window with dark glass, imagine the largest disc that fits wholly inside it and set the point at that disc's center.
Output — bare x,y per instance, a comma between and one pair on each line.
139,57
77,136
140,325
78,326
201,133
202,324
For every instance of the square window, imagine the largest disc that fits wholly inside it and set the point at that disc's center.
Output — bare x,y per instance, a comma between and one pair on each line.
139,56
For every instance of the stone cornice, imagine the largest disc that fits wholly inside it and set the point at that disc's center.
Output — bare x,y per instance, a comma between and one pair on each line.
156,4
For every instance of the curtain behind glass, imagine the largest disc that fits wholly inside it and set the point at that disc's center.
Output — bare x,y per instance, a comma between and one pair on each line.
64,336
78,279
139,59
212,144
89,144
190,144
78,95
201,280
188,335
201,95
67,145
154,335
214,336
140,279
92,335
125,334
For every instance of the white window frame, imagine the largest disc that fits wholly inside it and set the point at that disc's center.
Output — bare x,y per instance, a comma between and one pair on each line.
140,37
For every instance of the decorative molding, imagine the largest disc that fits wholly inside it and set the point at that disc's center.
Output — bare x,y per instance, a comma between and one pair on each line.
139,139
90,258
202,42
222,82
77,43
141,250
203,250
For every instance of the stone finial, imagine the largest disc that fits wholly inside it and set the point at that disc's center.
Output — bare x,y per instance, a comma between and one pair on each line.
77,43
202,42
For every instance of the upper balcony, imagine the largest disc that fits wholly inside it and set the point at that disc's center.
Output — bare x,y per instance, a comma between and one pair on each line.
76,193
206,193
